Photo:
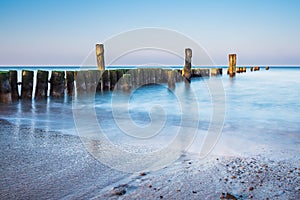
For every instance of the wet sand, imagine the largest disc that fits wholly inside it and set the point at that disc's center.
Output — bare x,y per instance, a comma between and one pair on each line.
39,164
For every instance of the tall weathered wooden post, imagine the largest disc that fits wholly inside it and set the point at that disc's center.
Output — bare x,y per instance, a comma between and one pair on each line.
13,80
5,91
100,56
186,72
232,64
70,82
171,79
126,82
42,84
27,84
57,88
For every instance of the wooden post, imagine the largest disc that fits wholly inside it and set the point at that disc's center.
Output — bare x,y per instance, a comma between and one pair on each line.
126,82
57,81
140,77
232,64
27,84
186,72
216,71
171,79
251,69
179,78
158,75
42,84
5,90
80,82
70,82
100,56
105,80
267,67
134,78
113,79
13,80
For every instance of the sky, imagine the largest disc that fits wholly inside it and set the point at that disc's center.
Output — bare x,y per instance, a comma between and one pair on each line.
260,32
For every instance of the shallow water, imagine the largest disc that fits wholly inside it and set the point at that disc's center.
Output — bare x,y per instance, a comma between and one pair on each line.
262,114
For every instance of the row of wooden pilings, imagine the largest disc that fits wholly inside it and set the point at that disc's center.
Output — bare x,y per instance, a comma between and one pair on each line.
62,82
233,69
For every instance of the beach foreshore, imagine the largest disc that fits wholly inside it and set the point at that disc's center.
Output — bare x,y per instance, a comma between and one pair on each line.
43,164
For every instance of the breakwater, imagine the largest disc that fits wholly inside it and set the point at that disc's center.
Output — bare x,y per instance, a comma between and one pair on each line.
64,83
61,83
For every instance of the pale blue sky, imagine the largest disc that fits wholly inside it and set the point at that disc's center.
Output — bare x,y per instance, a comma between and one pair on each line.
265,32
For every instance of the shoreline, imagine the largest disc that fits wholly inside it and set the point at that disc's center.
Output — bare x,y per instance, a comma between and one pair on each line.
37,163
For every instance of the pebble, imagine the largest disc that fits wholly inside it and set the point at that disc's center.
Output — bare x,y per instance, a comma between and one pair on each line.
143,174
280,193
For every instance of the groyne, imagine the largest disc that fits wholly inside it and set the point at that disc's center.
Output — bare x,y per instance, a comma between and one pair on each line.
61,83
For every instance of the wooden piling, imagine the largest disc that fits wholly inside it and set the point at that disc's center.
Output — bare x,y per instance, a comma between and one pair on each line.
80,82
113,79
100,56
171,79
134,79
251,69
126,82
57,81
13,80
267,67
5,90
232,64
256,68
186,72
105,82
27,84
42,84
216,71
140,77
70,76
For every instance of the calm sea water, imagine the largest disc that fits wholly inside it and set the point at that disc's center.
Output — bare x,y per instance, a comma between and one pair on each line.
262,113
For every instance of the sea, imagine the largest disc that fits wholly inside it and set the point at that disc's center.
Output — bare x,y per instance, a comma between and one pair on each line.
253,113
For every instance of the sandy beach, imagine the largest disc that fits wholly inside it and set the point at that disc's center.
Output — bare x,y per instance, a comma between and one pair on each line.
39,164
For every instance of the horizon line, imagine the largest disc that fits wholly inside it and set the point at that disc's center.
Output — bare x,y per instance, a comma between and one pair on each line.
128,65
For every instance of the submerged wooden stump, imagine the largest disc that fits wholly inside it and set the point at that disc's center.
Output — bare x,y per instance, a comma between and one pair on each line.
216,71
200,72
5,90
256,68
27,84
70,82
13,80
42,85
57,81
